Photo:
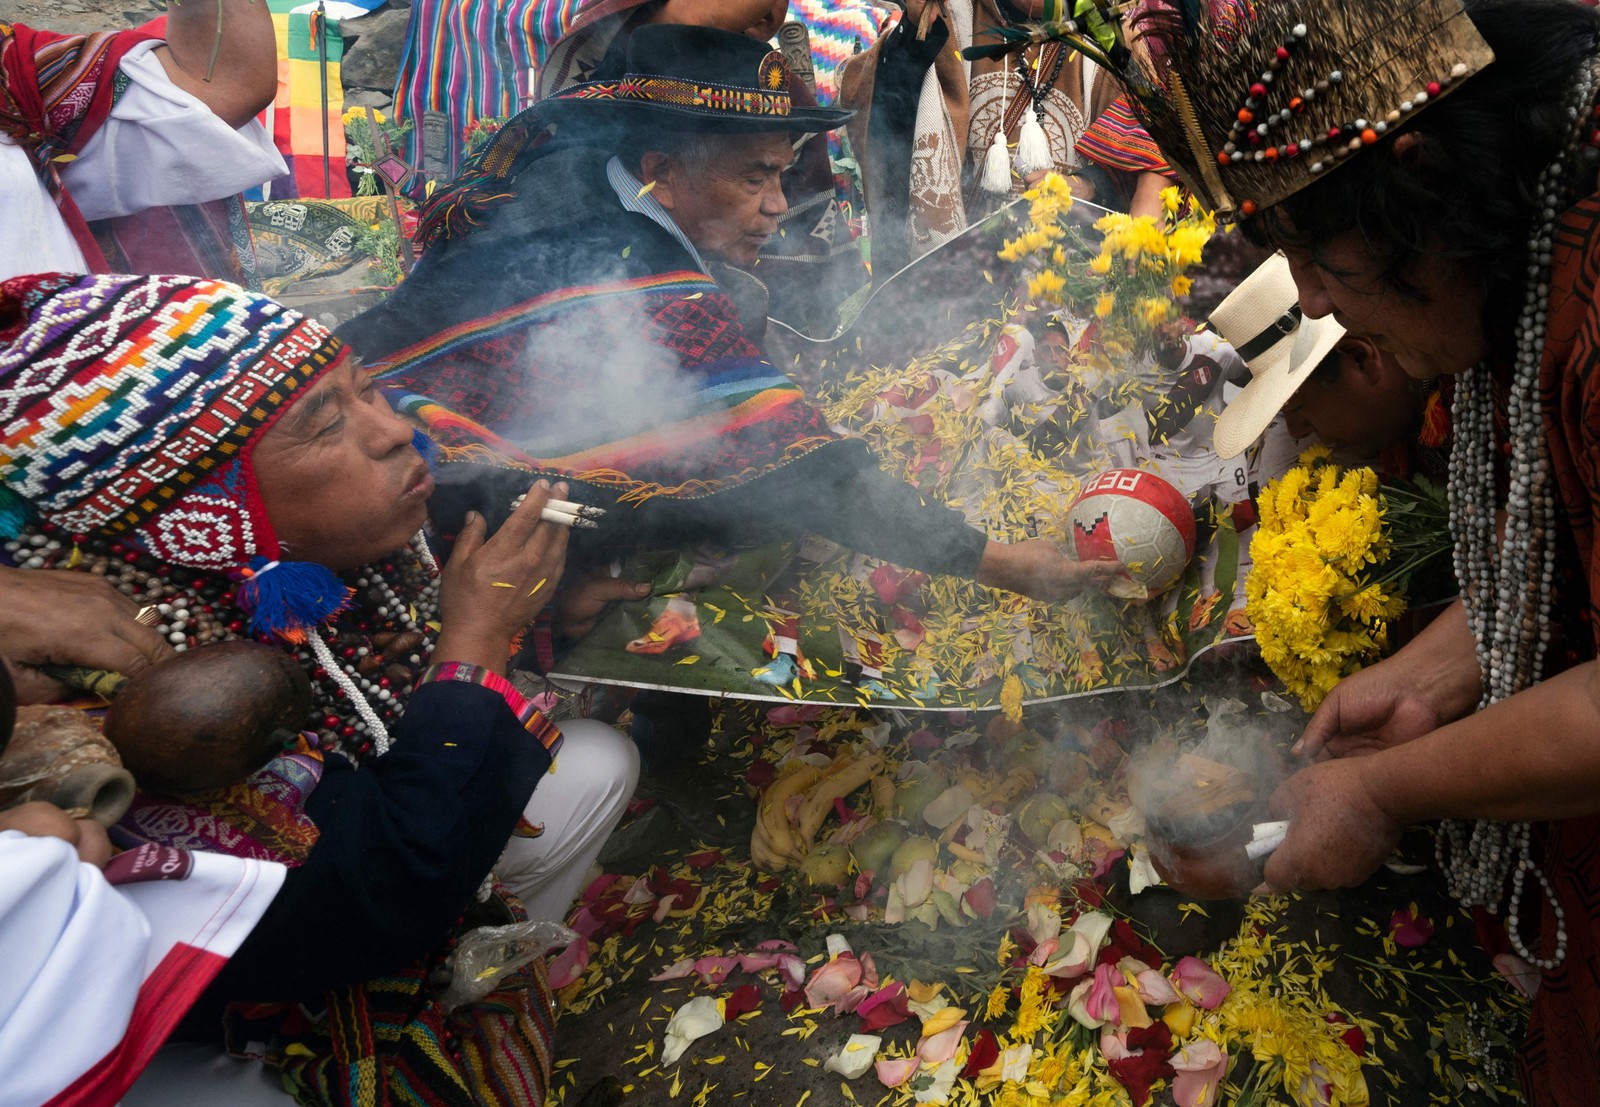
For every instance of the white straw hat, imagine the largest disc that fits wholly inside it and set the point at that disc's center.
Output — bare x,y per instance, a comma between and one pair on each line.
1261,320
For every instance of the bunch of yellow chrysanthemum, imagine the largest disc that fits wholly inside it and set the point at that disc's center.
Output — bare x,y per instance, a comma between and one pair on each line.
1128,279
1328,573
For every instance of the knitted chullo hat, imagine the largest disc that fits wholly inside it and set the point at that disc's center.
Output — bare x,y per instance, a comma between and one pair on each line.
129,408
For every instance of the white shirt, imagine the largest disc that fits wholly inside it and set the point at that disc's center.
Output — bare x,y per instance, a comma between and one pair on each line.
159,146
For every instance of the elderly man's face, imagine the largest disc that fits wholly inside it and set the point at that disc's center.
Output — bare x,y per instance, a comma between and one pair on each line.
1437,335
729,208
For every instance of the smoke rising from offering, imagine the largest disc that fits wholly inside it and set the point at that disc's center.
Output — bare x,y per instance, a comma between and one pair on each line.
1198,793
614,383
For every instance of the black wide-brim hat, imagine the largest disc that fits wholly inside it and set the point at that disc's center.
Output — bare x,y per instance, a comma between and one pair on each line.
692,79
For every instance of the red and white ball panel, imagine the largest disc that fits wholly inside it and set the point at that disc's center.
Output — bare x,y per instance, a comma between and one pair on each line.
1137,519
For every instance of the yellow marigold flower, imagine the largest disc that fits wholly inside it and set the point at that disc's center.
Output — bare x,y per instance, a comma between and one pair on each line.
1171,199
1030,1013
1012,251
999,998
1185,245
1011,697
1315,453
1105,305
1007,950
1181,286
1047,285
1100,265
1154,311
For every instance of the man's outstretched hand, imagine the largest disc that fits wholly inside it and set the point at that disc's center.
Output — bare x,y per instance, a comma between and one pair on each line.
1039,569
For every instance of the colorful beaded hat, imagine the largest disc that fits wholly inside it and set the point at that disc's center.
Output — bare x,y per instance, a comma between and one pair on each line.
693,79
1250,110
129,407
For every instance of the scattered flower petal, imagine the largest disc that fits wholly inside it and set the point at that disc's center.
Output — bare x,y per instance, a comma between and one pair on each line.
1200,1067
832,981
1196,981
938,1048
569,964
692,1021
895,1071
854,1057
1410,929
741,1001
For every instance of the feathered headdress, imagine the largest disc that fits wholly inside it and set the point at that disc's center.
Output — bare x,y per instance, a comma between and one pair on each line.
1249,106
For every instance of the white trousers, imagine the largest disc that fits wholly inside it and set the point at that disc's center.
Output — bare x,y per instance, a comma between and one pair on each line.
578,803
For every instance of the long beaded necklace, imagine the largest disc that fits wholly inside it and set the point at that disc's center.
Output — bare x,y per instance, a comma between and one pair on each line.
1508,587
1035,84
361,667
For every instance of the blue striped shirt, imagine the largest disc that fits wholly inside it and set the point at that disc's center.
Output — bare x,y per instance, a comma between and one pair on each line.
635,198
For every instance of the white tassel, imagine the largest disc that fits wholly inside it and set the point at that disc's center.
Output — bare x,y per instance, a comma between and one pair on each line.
997,165
1033,149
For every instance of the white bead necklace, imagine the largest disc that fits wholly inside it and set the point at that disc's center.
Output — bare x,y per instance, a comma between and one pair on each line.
1508,586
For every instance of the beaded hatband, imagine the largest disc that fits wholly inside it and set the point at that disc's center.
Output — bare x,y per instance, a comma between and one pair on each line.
1508,588
361,668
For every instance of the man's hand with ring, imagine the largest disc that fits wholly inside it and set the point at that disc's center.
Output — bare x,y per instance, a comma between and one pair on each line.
65,618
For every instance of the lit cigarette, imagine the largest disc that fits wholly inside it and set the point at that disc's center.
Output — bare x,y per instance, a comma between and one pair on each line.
551,515
582,511
1266,837
566,513
565,507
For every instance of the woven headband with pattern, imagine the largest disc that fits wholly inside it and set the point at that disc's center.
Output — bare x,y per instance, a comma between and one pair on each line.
770,97
128,406
1303,86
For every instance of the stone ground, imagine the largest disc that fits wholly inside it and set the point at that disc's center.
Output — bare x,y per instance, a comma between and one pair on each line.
608,1047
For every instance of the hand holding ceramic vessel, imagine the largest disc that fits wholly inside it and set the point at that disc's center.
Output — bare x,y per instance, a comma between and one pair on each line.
71,619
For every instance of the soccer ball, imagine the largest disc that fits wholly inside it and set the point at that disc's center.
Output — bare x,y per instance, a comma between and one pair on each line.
1139,520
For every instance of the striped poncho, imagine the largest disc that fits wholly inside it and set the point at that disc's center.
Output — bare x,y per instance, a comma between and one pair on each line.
573,337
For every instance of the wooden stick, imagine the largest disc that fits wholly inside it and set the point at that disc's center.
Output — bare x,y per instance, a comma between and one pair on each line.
407,258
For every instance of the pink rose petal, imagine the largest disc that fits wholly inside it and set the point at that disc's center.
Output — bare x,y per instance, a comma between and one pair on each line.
714,970
1200,1066
833,981
1409,928
569,964
941,1046
675,971
1199,984
1101,1002
792,970
895,1071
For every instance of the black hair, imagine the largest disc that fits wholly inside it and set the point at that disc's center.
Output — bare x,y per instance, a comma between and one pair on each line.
1054,325
1327,372
1466,191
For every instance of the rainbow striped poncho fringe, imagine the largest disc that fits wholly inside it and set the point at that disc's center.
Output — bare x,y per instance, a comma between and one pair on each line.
735,415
